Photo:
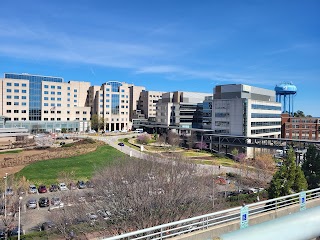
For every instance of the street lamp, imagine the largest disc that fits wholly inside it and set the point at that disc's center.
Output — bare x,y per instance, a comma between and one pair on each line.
19,218
5,196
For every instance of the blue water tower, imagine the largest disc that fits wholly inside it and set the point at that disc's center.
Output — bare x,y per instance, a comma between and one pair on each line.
285,93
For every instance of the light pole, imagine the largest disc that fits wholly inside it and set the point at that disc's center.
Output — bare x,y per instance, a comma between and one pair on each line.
19,218
5,196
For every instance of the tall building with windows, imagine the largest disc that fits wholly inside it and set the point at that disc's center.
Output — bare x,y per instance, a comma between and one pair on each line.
148,103
40,99
180,108
245,110
111,103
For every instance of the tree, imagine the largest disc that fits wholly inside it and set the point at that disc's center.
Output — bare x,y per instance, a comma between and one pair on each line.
173,138
102,122
288,179
144,138
264,165
63,130
299,113
311,167
95,122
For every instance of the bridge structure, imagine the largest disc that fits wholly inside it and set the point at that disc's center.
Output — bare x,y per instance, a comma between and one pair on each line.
270,219
217,142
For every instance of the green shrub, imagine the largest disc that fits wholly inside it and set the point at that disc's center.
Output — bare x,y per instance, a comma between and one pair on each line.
88,140
68,145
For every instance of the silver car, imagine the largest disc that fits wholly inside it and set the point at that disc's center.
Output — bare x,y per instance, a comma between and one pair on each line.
32,204
33,189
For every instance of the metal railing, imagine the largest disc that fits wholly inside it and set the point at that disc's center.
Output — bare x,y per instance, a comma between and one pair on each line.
206,221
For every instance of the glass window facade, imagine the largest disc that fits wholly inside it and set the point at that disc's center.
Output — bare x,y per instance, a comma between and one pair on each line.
34,91
115,102
115,86
265,107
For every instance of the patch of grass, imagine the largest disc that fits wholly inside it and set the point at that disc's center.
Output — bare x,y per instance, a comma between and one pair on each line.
196,154
11,151
227,162
83,166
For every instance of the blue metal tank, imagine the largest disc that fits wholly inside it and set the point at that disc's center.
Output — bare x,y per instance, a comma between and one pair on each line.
285,88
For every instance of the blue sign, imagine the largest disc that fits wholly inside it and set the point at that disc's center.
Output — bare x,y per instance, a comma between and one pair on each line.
303,198
244,217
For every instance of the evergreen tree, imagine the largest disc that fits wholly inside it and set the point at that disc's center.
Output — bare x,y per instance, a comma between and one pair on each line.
288,179
311,167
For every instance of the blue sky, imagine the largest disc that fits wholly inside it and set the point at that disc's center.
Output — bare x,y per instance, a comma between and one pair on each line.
167,45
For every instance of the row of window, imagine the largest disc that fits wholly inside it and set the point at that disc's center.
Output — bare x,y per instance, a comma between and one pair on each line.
262,124
59,119
16,111
53,93
16,104
265,115
59,87
52,99
16,119
265,107
268,130
16,84
108,106
68,112
107,113
221,115
16,90
16,97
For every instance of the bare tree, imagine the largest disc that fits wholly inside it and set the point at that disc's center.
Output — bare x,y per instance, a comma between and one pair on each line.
264,165
162,139
140,194
173,139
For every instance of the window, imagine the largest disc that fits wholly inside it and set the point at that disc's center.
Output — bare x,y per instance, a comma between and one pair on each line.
122,96
53,93
45,98
16,111
24,104
52,104
59,99
8,97
108,89
68,112
75,100
101,100
16,103
107,106
58,119
68,105
53,87
101,95
23,111
77,118
16,97
58,112
16,90
46,86
16,119
84,112
122,90
24,91
52,119
68,94
68,99
46,92
9,84
46,104
59,93
59,87
8,90
24,84
16,84
23,119
75,95
52,99
68,88
107,95
84,119
107,100
75,90
68,119
58,104
8,111
24,97
46,111
46,119
77,112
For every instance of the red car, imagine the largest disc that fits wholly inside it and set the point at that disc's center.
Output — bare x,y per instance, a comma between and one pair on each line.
42,189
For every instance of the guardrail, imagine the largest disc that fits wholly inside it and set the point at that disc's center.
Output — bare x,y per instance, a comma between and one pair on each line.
206,221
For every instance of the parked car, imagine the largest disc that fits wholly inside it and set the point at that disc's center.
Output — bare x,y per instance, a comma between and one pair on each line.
63,187
56,203
14,232
121,144
72,186
47,225
53,188
9,191
44,202
81,184
31,204
2,234
33,189
42,189
89,184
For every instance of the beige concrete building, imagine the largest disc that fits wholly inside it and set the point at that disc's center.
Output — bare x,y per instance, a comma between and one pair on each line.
135,93
15,99
147,103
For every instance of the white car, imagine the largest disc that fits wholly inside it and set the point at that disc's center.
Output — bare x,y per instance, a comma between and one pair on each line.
33,189
63,187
